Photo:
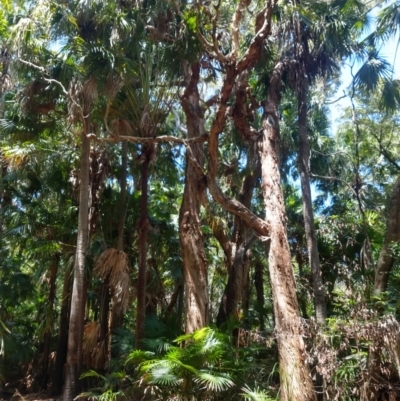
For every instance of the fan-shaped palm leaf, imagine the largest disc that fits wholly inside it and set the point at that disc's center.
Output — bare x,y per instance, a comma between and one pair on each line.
372,71
212,382
255,395
390,99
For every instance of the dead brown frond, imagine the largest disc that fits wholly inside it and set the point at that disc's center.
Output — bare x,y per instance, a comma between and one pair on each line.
121,126
108,259
94,351
5,83
74,108
90,335
113,85
113,266
88,95
121,294
81,99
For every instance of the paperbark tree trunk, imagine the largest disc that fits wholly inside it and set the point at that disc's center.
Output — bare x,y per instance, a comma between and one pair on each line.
370,391
76,321
308,214
191,236
296,382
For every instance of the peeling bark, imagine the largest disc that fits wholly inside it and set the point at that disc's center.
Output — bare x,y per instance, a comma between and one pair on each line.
296,382
191,237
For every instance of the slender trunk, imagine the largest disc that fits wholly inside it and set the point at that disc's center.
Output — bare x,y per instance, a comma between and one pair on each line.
259,286
47,334
104,315
109,319
370,391
181,303
386,256
236,250
246,290
308,214
122,198
3,164
296,382
299,260
75,335
143,229
61,353
233,289
191,236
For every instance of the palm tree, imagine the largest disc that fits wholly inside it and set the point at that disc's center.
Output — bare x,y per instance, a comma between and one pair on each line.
144,106
82,97
322,34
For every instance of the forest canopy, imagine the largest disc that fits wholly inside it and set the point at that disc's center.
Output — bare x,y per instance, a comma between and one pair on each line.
180,216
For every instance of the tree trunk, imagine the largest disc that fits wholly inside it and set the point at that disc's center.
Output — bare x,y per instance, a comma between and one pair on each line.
4,85
311,237
191,236
386,256
122,198
62,344
233,289
143,229
237,249
75,337
259,286
48,332
296,382
370,391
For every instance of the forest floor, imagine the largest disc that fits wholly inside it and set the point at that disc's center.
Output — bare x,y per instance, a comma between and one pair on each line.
17,396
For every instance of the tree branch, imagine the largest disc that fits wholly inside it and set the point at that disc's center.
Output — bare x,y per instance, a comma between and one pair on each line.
150,140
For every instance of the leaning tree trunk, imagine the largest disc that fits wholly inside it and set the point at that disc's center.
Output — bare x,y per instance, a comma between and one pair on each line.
143,230
311,237
191,236
296,382
76,321
370,391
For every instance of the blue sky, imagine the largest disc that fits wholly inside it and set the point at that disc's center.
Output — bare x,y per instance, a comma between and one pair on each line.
387,51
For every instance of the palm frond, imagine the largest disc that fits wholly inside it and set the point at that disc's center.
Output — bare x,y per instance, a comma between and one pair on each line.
389,20
372,71
390,99
255,395
212,382
163,375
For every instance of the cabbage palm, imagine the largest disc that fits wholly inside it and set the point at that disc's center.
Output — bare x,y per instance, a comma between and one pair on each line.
141,109
191,369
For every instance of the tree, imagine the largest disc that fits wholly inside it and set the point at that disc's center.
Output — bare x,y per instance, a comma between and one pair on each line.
191,237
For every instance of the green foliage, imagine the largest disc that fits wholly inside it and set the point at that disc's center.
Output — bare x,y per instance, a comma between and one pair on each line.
255,395
107,390
193,369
